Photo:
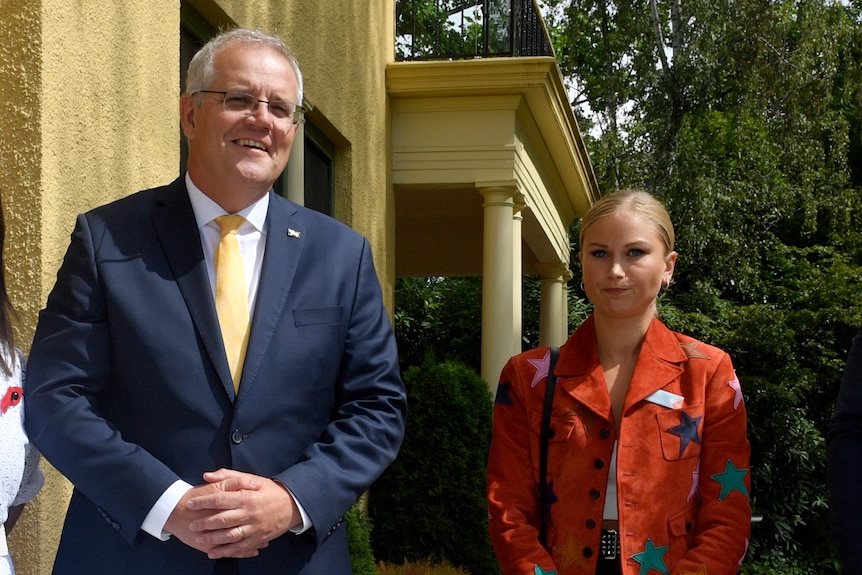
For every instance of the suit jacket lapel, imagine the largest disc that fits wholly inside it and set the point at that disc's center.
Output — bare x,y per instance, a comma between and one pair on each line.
284,240
176,228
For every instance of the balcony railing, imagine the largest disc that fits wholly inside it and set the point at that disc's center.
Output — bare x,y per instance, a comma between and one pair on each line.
460,29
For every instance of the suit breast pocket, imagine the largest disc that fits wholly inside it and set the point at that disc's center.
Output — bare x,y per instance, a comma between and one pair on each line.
317,316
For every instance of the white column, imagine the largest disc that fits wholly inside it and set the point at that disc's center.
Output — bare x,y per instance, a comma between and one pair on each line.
517,275
553,307
564,297
497,286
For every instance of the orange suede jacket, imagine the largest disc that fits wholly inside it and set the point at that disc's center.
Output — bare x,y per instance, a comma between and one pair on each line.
682,469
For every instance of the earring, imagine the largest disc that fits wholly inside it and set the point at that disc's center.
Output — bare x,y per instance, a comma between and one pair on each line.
665,284
582,287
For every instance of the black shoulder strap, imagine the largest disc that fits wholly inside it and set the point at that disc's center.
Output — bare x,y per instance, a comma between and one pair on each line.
544,437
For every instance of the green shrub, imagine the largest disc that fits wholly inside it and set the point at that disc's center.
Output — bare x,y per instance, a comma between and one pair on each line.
430,504
359,540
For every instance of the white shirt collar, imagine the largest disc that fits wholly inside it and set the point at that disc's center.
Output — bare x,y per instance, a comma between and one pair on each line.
206,210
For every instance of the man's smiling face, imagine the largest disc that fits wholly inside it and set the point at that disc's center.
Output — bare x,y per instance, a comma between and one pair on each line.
234,158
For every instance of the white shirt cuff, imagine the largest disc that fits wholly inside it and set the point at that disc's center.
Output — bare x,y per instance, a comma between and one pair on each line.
154,522
306,521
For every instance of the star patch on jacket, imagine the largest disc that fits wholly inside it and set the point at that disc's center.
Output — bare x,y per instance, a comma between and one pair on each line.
732,479
503,391
686,431
652,557
11,399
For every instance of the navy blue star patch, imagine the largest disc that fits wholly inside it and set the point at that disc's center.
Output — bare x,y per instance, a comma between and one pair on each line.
686,430
503,397
551,497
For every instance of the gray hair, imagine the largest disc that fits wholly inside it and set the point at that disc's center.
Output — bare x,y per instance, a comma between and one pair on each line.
202,72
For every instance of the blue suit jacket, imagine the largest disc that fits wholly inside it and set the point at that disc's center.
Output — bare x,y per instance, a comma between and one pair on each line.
129,388
844,458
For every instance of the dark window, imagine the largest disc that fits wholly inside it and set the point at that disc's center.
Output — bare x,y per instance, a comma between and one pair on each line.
195,30
318,177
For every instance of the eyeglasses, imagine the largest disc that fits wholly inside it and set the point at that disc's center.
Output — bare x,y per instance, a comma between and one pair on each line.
246,104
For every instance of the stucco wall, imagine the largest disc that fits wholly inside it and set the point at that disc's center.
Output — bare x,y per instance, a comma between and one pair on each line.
89,96
20,175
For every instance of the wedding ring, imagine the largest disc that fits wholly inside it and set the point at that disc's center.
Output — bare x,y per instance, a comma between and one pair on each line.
241,534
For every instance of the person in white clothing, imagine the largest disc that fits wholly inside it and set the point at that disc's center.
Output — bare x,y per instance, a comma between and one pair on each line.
20,476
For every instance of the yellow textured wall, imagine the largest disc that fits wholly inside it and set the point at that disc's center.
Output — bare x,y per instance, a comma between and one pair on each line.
89,96
89,106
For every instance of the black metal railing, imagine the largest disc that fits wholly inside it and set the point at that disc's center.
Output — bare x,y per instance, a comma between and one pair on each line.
460,29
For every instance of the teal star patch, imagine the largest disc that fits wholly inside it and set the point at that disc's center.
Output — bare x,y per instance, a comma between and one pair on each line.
652,557
539,571
731,479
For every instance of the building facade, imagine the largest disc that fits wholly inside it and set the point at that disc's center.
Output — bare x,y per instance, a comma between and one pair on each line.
449,166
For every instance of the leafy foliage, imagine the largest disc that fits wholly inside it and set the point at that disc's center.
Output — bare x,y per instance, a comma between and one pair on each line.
745,118
430,504
438,316
359,531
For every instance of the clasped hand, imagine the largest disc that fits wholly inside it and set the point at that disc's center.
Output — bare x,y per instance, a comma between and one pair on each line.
233,514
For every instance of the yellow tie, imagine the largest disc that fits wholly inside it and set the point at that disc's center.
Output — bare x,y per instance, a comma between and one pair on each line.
231,295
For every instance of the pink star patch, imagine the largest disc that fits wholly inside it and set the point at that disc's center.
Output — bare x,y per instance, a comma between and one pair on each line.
695,482
734,385
542,366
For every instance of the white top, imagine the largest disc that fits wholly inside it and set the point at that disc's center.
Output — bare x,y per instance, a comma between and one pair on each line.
611,512
20,476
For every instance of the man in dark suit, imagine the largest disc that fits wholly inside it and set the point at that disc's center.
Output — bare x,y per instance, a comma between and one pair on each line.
192,451
844,459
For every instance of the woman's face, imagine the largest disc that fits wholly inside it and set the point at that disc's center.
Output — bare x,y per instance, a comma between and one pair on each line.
624,265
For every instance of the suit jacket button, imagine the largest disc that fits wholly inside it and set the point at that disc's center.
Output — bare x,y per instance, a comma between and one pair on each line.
236,437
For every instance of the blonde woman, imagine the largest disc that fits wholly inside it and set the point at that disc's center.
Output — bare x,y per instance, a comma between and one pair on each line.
647,456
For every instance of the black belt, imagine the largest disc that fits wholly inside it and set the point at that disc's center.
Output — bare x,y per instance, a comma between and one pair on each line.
610,546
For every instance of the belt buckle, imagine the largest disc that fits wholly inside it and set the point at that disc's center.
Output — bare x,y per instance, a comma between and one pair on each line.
610,544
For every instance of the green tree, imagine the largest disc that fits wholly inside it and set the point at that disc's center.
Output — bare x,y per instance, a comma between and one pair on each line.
744,117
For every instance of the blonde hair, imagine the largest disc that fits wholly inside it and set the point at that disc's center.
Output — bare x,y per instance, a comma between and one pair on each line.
637,202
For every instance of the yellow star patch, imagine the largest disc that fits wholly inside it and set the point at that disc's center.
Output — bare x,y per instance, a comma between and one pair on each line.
700,571
572,552
691,350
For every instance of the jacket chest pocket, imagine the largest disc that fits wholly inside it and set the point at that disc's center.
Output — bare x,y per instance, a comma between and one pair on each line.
680,431
567,433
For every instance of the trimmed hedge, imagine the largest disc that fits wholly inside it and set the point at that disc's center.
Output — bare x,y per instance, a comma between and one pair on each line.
430,504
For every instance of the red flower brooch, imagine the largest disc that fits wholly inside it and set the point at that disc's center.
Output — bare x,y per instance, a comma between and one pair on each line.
12,398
